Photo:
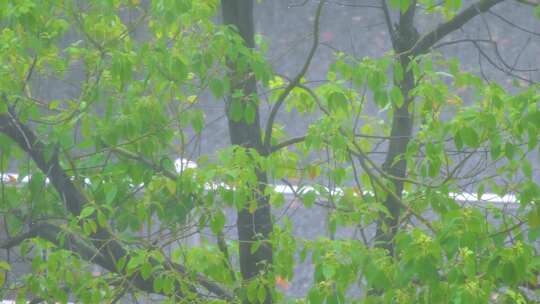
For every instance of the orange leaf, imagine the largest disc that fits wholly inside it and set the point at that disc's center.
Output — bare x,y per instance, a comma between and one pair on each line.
281,282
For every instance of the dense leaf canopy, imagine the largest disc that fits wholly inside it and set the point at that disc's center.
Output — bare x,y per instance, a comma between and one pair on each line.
98,186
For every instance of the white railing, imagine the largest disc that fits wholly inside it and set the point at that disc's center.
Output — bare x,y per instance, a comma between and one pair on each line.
182,164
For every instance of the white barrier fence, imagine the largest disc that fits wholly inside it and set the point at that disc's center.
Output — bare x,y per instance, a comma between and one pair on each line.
182,164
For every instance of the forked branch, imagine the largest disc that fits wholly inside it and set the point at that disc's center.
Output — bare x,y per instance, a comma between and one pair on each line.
294,82
431,38
75,199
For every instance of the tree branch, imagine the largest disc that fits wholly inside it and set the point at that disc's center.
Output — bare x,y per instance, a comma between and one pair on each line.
532,3
299,139
74,199
428,40
286,143
294,82
362,157
388,21
50,233
133,156
512,24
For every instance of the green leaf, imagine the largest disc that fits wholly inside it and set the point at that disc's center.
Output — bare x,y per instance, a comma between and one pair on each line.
197,121
121,263
168,284
255,246
110,192
5,266
469,137
135,262
328,270
398,71
102,219
396,96
277,199
217,222
381,98
171,186
261,293
315,296
495,151
509,150
236,110
3,106
534,219
480,191
309,198
252,290
121,68
158,284
250,112
303,254
146,270
37,184
216,86
337,101
87,211
527,168
452,5
179,69
537,11
403,5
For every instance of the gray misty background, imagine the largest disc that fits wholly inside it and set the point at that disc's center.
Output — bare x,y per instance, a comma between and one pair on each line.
357,29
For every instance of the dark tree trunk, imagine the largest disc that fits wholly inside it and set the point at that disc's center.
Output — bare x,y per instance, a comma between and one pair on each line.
405,37
240,14
409,44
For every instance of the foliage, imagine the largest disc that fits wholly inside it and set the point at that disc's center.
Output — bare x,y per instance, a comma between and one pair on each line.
146,72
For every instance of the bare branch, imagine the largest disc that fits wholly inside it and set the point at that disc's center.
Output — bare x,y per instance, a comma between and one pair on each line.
299,139
498,67
338,3
51,233
362,157
388,21
428,40
296,80
158,168
458,41
532,3
288,142
512,24
498,54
